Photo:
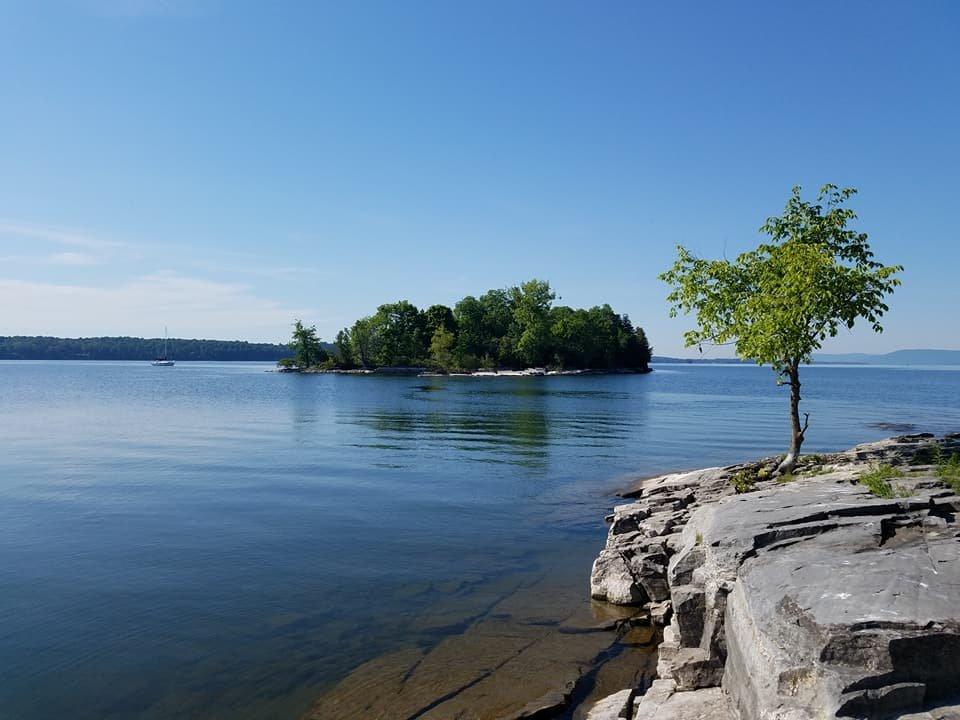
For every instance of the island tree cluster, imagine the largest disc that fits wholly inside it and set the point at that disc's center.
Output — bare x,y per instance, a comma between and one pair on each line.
516,327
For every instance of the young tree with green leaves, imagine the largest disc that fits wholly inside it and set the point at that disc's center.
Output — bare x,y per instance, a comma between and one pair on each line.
531,315
364,341
442,344
344,346
778,303
306,347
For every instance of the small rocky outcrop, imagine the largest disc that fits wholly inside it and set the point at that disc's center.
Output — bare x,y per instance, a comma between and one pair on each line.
806,599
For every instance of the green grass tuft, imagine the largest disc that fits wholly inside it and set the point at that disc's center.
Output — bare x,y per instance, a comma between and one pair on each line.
949,472
877,481
743,481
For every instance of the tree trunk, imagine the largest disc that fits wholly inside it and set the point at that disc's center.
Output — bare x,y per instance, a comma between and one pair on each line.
797,430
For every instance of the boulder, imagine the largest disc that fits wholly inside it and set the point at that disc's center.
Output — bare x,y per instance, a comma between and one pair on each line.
664,701
618,706
612,580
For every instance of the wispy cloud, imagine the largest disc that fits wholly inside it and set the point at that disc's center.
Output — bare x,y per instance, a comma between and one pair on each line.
73,258
97,250
251,268
60,236
191,307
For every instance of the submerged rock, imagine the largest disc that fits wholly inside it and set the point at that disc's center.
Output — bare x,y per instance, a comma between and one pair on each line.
532,653
805,599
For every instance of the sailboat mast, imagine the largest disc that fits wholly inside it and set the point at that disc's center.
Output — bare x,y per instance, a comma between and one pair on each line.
164,342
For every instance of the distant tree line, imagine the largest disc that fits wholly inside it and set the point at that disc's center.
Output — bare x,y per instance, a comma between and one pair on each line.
131,348
515,327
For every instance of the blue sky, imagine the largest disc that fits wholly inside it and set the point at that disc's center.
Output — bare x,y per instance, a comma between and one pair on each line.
220,167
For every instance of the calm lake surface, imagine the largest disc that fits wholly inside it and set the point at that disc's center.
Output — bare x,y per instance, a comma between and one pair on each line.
214,540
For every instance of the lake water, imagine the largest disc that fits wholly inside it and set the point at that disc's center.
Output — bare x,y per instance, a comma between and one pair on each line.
214,540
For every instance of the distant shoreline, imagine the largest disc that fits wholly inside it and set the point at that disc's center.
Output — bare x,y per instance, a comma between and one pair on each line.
41,347
897,357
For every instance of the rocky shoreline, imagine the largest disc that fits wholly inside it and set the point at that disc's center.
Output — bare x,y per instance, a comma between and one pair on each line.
789,600
809,598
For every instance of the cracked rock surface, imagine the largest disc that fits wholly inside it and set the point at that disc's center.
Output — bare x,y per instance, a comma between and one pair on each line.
806,599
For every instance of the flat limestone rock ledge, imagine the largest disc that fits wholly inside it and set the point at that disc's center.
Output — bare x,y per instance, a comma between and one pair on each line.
537,651
804,599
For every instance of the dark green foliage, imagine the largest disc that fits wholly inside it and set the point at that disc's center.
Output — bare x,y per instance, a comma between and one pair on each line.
307,350
437,316
513,328
131,348
401,334
531,317
344,349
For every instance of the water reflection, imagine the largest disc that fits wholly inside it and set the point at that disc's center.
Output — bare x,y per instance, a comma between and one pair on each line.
512,421
221,541
515,427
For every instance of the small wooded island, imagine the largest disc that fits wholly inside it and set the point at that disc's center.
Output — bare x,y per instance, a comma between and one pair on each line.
509,329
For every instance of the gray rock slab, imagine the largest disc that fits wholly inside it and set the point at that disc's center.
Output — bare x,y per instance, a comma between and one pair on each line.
613,707
806,599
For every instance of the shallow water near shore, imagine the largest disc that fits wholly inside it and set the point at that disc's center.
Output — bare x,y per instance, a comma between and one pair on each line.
213,540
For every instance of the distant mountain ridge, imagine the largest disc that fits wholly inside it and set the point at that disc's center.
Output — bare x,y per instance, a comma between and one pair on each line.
697,361
897,357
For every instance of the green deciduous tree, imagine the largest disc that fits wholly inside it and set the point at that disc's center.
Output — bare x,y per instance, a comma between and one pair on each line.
513,327
531,314
363,341
778,303
400,331
307,351
468,314
573,337
344,346
436,316
441,347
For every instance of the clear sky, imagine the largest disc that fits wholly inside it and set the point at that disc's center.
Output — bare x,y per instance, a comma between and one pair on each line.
223,166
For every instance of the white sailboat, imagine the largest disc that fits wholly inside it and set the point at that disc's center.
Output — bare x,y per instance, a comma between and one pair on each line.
164,360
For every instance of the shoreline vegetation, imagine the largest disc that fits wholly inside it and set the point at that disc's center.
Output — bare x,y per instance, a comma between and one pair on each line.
512,331
39,347
482,372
